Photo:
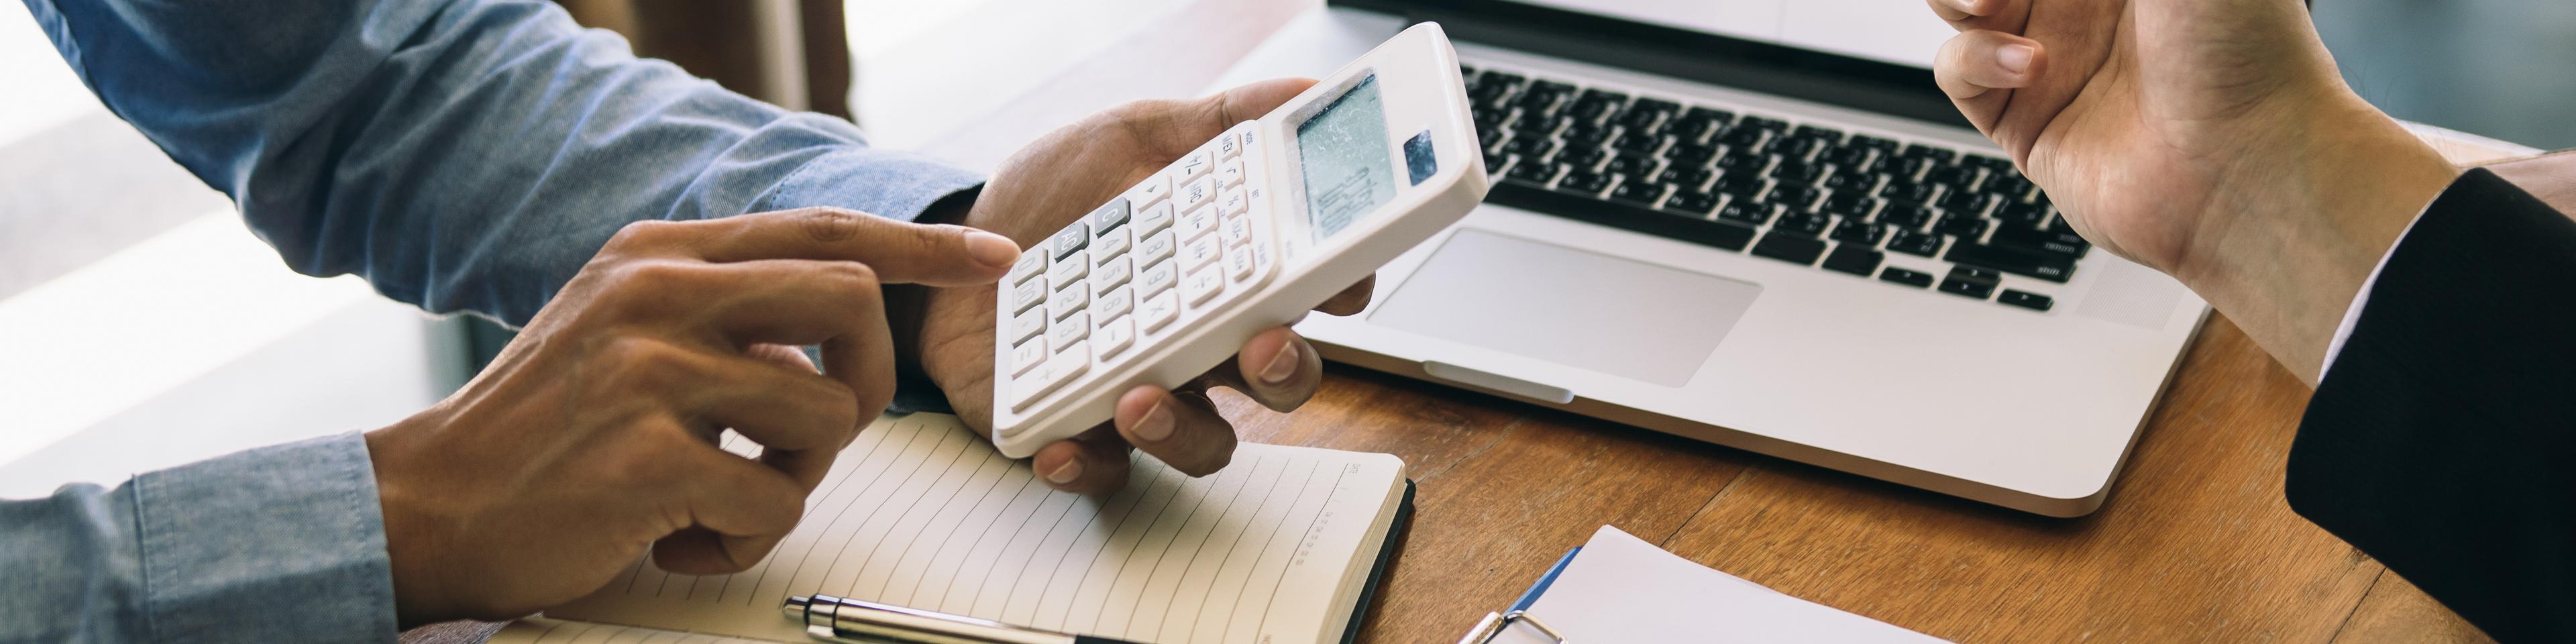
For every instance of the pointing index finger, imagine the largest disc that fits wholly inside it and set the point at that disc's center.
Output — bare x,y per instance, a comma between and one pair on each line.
900,252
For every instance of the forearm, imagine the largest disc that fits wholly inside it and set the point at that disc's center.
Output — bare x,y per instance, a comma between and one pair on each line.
460,155
278,544
2303,224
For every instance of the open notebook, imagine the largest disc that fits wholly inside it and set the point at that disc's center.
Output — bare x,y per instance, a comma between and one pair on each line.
1282,546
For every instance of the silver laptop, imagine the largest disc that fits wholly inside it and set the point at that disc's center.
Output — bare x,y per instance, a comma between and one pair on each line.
1759,224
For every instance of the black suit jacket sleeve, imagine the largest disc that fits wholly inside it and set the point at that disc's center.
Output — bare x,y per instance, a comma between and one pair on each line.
2443,439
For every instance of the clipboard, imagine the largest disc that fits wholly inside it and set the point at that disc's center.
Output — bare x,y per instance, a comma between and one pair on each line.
1518,614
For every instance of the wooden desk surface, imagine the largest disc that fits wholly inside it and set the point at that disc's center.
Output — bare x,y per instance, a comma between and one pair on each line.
2195,543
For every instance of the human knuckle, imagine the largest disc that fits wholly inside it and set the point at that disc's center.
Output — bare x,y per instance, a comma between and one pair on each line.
831,224
640,362
641,234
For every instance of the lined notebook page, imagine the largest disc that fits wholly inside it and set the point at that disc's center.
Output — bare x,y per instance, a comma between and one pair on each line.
539,630
921,512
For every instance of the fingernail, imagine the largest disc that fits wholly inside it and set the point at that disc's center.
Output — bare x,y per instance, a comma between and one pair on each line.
1156,424
1066,473
1968,6
2015,58
991,249
1281,366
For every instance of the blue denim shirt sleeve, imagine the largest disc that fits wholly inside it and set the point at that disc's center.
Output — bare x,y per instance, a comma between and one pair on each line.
277,544
462,155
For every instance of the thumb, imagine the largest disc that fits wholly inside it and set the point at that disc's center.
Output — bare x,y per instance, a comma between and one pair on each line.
900,252
1979,69
1193,122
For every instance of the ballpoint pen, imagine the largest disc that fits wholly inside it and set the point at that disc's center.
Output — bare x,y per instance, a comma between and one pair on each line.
841,619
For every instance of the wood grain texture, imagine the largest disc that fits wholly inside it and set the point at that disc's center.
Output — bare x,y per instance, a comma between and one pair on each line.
2396,612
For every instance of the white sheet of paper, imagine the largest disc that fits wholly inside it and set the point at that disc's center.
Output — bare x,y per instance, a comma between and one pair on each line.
1622,589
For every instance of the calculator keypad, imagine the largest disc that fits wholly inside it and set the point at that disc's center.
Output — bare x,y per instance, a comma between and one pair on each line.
1134,271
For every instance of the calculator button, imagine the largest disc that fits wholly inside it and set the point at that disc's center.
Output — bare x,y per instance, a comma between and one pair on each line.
1229,147
1112,304
1030,265
1195,194
1200,253
1201,286
1070,331
1229,174
1109,217
1156,278
1066,273
1068,302
1071,240
1151,219
1027,325
1113,337
1060,369
1156,311
1249,143
1238,264
1111,275
1110,246
1195,224
1238,231
1027,357
1152,191
1154,248
1028,295
1196,165
1233,202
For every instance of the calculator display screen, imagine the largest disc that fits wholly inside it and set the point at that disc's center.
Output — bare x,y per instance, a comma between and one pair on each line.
1343,151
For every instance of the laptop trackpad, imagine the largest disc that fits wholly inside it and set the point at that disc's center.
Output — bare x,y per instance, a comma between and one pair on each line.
1572,307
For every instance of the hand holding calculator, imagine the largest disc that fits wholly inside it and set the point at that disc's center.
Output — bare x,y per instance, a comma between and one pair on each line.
1245,233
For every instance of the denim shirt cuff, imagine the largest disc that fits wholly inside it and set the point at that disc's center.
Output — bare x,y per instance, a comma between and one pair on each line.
277,544
885,183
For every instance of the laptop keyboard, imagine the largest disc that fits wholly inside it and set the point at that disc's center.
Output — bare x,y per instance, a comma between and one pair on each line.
1803,194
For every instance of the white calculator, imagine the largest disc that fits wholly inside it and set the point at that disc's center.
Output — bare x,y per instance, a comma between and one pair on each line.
1246,233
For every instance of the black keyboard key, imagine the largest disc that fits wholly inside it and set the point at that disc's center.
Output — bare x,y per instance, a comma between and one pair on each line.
1908,216
1906,190
1760,123
1810,131
1915,243
1790,248
2054,268
1797,171
1742,162
1797,196
1995,165
2058,225
1957,178
1633,164
1852,159
2025,215
1856,259
1696,125
1596,104
1852,182
1544,96
1497,163
1643,194
1640,142
1740,184
1970,281
1979,290
1686,177
1913,278
1586,182
1875,143
1693,153
1964,203
1850,205
1535,173
1745,139
1908,168
1806,224
1693,202
1621,215
1585,135
2032,301
2041,241
1585,158
1937,155
1071,240
1854,231
1531,146
1647,113
1748,212
1961,225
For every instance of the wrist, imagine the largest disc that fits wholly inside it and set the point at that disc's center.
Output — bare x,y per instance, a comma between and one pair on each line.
418,598
2289,241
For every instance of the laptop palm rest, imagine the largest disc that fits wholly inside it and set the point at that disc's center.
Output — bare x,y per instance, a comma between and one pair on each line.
1622,317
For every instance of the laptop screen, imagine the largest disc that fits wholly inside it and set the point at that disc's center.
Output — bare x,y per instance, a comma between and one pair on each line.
1904,32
